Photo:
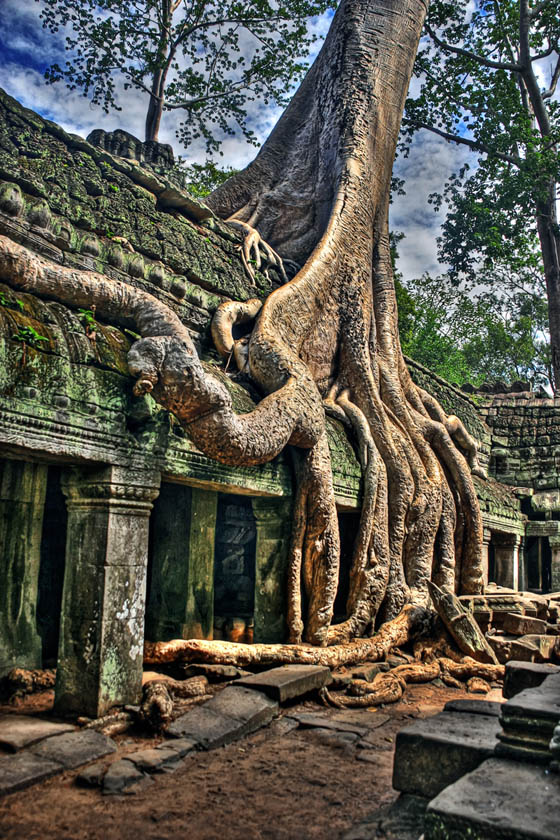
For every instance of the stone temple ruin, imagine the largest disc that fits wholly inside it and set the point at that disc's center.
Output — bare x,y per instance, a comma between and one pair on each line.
114,528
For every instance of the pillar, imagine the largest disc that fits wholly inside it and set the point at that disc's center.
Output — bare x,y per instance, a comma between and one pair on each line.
506,549
102,623
486,538
181,603
554,542
22,497
273,523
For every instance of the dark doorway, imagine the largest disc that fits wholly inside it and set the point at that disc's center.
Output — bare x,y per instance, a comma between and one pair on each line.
51,570
234,568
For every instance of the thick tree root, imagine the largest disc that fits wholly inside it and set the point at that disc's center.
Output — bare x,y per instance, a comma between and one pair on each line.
160,696
390,687
21,681
413,622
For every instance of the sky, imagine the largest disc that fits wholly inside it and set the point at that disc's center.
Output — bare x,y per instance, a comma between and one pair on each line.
26,50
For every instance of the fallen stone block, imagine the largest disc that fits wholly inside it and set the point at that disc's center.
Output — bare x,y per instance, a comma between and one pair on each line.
545,644
92,775
433,753
75,748
18,731
474,707
522,625
522,675
288,681
512,647
122,777
500,799
231,714
215,673
369,670
180,746
153,760
323,721
21,771
538,706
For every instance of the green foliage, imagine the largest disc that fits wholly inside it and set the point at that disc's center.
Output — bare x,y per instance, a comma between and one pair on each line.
207,58
29,336
200,179
478,337
11,303
87,317
482,87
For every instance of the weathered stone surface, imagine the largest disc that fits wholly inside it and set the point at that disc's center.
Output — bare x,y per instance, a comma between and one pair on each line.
180,746
522,675
433,753
21,771
540,704
402,819
545,644
288,681
528,721
501,799
92,775
474,707
321,721
153,760
512,647
272,520
461,625
522,625
75,748
233,713
123,777
18,731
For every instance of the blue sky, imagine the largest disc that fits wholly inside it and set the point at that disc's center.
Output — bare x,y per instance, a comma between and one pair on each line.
26,50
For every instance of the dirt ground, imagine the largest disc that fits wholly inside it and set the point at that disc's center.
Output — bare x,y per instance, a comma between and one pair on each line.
278,784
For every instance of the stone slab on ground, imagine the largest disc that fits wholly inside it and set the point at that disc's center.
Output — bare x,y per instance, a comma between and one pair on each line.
123,777
154,760
288,681
433,753
231,714
475,707
323,721
180,746
500,799
18,731
21,771
403,819
75,748
522,675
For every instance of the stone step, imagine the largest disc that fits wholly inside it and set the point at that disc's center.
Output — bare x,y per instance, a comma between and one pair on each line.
500,799
19,731
433,753
288,681
475,707
23,770
233,713
75,748
522,675
536,708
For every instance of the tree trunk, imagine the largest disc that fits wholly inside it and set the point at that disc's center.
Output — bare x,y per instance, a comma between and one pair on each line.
319,192
155,108
549,237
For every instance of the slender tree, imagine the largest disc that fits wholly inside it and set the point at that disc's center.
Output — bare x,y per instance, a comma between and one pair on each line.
325,341
204,58
489,74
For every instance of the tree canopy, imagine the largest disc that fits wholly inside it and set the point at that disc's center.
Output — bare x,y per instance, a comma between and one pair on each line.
207,59
488,75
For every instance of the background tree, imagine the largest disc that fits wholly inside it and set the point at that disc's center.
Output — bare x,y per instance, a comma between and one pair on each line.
205,58
489,72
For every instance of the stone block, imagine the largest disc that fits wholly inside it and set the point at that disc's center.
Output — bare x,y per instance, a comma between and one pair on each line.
522,675
512,647
21,771
500,799
538,707
288,681
92,775
180,746
474,707
546,645
522,625
123,777
154,760
18,731
75,748
433,753
323,721
230,715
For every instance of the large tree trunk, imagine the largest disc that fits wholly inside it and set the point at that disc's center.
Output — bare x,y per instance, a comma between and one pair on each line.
549,237
319,192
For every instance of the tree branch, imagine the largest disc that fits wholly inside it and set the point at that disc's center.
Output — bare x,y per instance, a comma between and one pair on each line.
554,81
464,141
480,59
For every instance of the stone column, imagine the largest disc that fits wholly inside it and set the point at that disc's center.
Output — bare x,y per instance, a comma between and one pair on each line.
181,604
506,552
102,623
486,538
273,522
554,542
22,498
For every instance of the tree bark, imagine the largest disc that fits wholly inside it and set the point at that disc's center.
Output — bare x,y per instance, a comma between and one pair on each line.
319,193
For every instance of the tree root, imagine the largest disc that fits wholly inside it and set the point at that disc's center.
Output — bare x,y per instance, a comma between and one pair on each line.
160,696
389,687
410,624
21,681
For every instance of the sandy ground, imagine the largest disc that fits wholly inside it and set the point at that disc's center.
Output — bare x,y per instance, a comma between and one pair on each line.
274,785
